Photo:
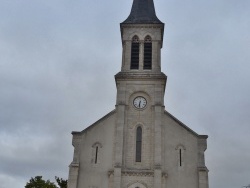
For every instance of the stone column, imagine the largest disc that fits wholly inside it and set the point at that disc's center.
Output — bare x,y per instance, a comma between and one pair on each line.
141,55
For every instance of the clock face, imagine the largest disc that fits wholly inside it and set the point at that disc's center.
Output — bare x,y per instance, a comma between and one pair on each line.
140,102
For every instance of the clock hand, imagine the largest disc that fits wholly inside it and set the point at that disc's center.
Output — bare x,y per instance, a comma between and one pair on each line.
140,104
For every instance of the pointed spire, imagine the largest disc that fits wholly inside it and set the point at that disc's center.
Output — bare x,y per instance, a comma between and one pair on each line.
142,12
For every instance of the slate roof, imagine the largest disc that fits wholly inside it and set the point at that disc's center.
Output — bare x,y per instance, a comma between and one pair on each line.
142,12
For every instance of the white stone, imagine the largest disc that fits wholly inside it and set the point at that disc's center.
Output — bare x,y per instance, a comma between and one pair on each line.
163,136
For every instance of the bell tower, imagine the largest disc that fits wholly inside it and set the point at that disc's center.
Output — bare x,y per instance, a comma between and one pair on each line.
142,37
140,98
142,40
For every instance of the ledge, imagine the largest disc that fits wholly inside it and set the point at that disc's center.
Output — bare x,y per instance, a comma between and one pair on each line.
73,164
203,169
146,173
140,75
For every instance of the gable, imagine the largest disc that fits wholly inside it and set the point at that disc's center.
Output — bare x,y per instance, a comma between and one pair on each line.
183,125
98,122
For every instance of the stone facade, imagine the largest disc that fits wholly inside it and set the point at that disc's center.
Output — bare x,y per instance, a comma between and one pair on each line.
172,155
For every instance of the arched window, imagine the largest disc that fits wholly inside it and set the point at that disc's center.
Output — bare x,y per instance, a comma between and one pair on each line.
180,154
138,144
147,53
135,53
96,154
180,157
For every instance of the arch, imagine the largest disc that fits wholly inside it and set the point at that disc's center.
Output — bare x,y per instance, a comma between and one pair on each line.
137,184
147,62
138,152
147,39
135,50
96,151
180,146
135,39
97,144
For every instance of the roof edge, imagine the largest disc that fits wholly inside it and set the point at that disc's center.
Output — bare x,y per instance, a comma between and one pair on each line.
87,128
185,126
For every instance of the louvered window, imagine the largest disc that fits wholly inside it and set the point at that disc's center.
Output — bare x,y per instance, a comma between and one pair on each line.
135,53
147,53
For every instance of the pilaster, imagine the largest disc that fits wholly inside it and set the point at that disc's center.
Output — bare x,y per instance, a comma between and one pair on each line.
126,55
74,166
141,55
157,136
117,177
118,158
202,169
73,175
157,147
203,177
119,135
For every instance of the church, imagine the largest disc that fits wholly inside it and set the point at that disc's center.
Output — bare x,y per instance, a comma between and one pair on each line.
139,144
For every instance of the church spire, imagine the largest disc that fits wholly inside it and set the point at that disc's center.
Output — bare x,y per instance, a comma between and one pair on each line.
142,12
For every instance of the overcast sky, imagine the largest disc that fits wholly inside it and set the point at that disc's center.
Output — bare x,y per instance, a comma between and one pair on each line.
58,59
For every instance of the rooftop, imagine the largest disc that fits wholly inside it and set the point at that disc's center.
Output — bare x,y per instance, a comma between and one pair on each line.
142,12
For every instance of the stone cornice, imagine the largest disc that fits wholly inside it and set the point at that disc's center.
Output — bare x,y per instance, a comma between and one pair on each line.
203,136
74,164
142,25
203,169
140,76
160,26
141,173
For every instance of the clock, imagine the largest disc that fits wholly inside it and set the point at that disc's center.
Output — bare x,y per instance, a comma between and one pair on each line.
140,102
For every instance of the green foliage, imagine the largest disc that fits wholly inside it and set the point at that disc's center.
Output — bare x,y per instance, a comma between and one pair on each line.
61,182
38,182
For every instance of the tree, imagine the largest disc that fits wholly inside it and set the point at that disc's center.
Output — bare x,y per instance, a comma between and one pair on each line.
61,182
38,182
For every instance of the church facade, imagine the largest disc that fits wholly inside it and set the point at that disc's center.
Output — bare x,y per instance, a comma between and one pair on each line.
139,144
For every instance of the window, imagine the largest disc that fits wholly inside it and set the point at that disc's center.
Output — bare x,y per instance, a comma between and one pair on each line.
180,151
138,144
96,154
135,48
147,53
180,157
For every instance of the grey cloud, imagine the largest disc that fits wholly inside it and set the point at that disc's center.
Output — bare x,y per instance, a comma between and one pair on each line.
49,49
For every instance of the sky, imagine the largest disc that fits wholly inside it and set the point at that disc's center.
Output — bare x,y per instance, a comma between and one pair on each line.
57,64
